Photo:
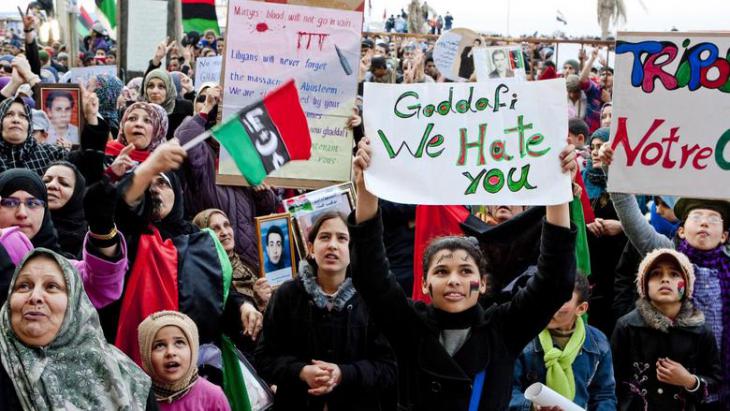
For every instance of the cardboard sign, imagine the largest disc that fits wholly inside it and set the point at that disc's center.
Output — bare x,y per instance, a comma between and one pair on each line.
268,44
476,143
670,130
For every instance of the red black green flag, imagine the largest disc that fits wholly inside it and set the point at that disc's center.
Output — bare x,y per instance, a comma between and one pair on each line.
267,134
199,15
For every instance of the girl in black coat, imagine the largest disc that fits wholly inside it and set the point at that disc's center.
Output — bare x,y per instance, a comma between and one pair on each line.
452,354
665,356
318,345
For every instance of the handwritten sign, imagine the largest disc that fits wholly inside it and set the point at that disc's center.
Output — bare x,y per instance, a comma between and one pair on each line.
476,143
208,69
83,74
267,44
670,129
453,53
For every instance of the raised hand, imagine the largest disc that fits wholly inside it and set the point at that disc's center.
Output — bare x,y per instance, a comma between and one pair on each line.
123,162
90,102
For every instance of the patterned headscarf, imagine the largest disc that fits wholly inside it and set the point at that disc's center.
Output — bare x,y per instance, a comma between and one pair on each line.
169,103
79,369
136,85
108,89
159,123
177,81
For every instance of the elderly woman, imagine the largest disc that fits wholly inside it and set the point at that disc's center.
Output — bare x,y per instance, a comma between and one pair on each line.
52,348
26,223
158,88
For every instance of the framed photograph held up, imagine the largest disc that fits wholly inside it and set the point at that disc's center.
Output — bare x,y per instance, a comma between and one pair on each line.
62,105
276,248
305,209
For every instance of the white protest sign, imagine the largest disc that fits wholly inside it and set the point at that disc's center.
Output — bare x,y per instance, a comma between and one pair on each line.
670,130
146,28
208,69
453,53
83,74
499,62
467,143
268,44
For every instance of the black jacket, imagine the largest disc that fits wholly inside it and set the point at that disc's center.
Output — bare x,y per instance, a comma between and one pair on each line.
642,337
296,331
429,378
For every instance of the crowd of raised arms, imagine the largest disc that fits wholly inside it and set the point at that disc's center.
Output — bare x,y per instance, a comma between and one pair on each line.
129,280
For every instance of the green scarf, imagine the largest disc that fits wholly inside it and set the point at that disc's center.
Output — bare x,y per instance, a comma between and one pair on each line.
559,363
79,369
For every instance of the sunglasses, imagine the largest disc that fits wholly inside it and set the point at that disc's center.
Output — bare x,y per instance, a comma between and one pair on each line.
12,202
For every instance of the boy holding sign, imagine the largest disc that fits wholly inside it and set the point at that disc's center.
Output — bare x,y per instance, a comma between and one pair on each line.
452,354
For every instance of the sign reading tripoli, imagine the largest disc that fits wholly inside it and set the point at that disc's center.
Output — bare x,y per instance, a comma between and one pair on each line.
467,143
670,129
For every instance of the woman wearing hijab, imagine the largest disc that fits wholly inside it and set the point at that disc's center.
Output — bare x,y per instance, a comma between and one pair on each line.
142,129
26,224
66,187
240,204
158,88
52,348
245,278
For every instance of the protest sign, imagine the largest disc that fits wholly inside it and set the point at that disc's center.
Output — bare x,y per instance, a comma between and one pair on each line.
146,28
207,69
670,129
499,62
467,143
268,44
453,53
83,74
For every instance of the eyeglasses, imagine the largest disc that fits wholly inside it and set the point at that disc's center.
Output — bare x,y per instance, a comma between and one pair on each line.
711,219
12,202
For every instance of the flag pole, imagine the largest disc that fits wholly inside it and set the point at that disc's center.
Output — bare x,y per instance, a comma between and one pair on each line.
197,140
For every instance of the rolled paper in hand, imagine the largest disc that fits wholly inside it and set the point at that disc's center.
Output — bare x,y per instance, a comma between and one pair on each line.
542,395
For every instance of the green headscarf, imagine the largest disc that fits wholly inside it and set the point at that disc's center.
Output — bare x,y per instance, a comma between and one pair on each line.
559,363
79,369
169,103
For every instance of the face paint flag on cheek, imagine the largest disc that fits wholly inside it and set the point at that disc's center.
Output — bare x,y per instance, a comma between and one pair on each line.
681,289
473,286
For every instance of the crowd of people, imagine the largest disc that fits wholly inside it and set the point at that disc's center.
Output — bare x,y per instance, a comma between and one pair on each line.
129,279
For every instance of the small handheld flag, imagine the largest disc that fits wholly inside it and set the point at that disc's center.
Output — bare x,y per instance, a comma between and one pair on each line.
265,135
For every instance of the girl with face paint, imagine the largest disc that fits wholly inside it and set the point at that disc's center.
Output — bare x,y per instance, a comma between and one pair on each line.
702,236
665,357
452,354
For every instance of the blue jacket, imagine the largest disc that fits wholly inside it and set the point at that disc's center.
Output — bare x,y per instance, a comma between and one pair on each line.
592,369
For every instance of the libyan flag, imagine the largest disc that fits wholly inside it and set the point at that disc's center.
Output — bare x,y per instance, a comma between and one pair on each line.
106,11
199,15
191,274
267,134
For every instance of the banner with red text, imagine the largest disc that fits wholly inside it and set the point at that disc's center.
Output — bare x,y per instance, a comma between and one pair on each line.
467,143
670,128
268,44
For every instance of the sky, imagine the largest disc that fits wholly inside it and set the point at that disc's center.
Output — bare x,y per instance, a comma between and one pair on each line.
517,17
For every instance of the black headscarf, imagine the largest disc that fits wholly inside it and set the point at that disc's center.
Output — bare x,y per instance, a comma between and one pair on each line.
174,224
17,179
69,220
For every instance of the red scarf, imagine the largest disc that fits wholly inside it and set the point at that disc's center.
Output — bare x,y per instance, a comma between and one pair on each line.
113,148
152,287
